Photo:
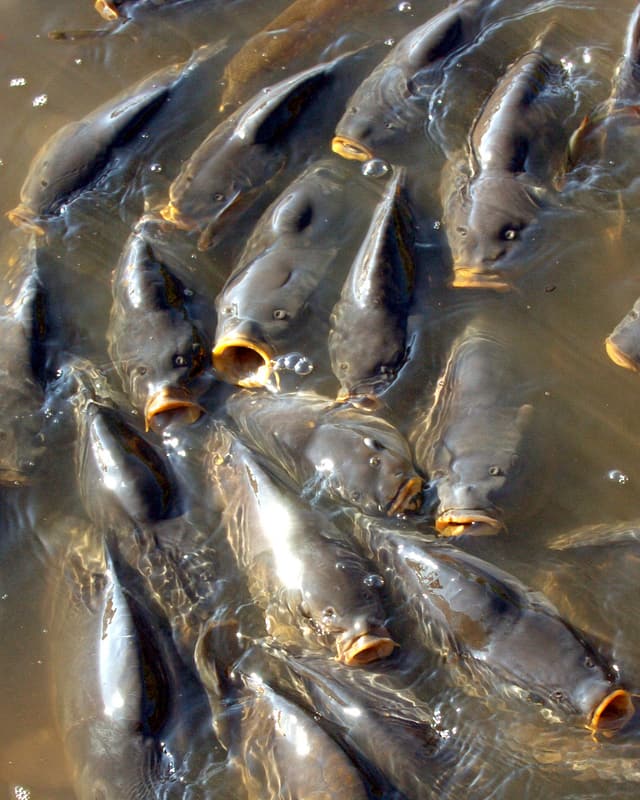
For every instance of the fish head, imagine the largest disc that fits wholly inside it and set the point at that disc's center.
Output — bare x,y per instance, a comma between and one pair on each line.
489,223
365,463
341,604
623,344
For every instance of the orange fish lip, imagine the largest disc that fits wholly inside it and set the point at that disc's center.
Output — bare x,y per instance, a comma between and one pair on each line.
619,357
407,497
457,523
106,10
242,361
612,713
475,278
350,149
170,213
365,648
22,217
170,398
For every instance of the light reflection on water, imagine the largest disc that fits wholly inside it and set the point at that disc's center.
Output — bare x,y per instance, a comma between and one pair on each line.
576,284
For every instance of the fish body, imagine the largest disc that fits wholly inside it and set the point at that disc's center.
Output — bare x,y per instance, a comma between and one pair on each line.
623,343
303,28
470,608
297,566
392,103
158,349
338,453
492,200
278,750
290,253
24,367
367,340
249,148
471,439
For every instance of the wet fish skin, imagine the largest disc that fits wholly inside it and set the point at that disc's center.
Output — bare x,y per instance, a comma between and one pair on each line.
338,453
277,748
302,28
392,102
467,606
623,343
367,340
113,10
24,365
492,201
471,439
266,297
120,473
298,568
158,349
247,150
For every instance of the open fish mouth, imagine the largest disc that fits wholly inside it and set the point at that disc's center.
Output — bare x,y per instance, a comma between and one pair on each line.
408,497
619,357
106,10
171,404
458,523
613,713
349,148
475,278
242,362
365,648
22,217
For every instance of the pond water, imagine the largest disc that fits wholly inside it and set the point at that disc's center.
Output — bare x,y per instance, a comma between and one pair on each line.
575,281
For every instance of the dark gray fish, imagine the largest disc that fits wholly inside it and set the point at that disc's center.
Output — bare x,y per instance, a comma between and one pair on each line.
605,135
388,730
23,366
120,472
470,441
121,692
392,103
297,566
367,341
468,607
337,452
81,153
159,350
623,343
249,148
291,250
492,199
279,750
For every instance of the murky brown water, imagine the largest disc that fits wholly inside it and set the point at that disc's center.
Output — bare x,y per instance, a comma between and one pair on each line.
576,285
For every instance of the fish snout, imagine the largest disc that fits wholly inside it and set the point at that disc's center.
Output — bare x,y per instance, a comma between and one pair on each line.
611,713
363,642
168,404
242,356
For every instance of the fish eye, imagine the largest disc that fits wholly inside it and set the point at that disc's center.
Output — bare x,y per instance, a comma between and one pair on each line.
633,314
180,361
509,234
305,609
328,614
142,370
280,313
558,696
227,311
495,471
374,461
218,197
372,444
461,230
588,662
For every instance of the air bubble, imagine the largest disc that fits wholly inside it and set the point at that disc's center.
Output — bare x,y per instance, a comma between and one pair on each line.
18,82
617,476
156,167
375,168
290,361
303,367
390,41
40,100
405,7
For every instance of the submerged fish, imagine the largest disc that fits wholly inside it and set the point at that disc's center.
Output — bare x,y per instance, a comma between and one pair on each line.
24,331
468,607
392,103
332,451
158,349
471,439
81,154
367,340
492,198
278,749
298,568
249,148
301,30
291,250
